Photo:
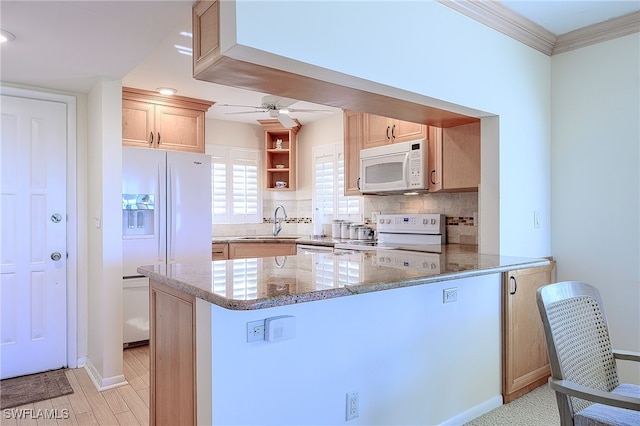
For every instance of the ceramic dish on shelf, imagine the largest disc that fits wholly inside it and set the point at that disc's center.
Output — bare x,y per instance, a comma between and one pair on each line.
279,166
281,184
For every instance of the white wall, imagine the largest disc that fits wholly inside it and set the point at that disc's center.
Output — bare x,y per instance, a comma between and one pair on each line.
104,234
595,191
434,52
403,350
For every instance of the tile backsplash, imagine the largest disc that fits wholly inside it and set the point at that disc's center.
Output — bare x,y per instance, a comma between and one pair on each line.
459,208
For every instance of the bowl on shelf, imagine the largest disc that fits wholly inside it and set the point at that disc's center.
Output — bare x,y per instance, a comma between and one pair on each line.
281,184
279,166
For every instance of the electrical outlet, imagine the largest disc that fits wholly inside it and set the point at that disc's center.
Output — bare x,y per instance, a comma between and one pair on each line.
353,405
449,295
255,331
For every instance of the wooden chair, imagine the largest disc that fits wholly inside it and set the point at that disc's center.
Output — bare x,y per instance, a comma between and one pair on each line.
583,366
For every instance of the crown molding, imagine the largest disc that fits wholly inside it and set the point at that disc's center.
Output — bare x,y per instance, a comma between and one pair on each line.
597,33
499,17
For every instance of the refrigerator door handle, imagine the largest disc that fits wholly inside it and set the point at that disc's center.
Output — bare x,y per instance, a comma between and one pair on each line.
162,229
171,216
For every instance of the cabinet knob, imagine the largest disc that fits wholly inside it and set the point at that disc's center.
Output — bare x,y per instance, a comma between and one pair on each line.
515,285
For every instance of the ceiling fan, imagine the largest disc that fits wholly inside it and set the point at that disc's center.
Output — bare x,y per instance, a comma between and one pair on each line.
277,107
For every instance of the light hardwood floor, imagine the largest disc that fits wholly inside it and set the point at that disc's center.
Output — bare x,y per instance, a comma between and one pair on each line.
124,405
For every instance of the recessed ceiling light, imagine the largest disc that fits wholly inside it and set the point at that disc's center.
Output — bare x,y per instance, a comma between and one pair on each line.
166,91
6,36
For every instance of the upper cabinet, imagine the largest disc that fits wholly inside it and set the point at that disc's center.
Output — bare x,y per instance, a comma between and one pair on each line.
382,130
163,122
352,146
280,145
454,158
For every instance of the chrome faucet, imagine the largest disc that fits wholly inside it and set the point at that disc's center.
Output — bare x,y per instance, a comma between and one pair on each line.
277,227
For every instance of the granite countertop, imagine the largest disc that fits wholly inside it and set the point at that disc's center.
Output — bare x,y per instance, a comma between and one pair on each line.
285,280
318,241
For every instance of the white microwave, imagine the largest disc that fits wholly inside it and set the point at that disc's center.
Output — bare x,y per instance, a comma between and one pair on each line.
394,168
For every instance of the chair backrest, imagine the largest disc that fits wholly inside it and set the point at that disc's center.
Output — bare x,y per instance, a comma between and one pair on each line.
578,342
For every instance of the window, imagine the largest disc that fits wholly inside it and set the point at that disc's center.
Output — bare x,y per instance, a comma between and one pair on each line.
328,193
235,183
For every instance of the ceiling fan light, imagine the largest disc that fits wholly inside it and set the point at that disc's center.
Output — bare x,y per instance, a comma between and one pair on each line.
284,111
166,91
6,36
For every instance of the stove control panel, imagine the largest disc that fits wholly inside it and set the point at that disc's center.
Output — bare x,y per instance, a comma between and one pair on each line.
428,223
400,259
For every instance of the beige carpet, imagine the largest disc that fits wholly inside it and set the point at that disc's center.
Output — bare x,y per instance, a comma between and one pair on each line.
537,408
33,388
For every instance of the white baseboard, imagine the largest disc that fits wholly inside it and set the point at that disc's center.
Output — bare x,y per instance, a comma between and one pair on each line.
102,383
475,412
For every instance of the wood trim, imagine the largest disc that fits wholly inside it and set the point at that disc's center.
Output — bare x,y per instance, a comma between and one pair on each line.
499,17
148,96
245,75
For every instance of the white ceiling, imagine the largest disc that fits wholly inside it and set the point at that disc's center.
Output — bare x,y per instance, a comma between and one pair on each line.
71,45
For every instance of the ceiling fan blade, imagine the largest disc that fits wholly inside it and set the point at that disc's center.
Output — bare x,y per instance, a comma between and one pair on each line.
307,110
286,121
239,106
261,111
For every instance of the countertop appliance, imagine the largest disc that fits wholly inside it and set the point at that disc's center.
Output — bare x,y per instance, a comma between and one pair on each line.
424,232
394,168
166,218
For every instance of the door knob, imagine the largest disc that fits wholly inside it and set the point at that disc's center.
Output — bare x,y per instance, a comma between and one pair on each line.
56,218
55,256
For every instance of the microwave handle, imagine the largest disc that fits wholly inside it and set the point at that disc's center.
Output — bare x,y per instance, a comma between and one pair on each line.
406,170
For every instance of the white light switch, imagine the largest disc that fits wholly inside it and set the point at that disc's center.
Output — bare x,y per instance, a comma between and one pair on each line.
280,328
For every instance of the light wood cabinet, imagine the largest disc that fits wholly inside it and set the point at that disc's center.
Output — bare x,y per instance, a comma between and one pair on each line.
246,250
352,146
382,130
525,360
219,251
163,122
172,367
280,155
454,158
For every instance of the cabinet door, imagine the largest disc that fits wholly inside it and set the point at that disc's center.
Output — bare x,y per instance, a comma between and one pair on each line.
461,157
138,124
180,129
454,158
403,131
248,250
434,159
376,131
172,369
352,146
525,358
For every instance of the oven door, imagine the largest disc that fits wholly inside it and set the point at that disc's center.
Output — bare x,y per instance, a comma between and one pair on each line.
384,173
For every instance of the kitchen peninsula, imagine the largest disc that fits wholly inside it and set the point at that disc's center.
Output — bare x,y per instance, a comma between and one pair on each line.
418,346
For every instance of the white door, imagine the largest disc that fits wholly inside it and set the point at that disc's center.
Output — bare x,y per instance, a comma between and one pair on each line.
33,253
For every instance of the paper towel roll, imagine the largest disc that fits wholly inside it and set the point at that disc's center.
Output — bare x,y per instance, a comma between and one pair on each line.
317,224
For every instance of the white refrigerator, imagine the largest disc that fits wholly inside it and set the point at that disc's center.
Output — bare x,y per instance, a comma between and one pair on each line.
166,218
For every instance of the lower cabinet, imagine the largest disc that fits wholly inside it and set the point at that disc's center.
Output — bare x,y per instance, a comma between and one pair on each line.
525,361
219,251
246,250
172,369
